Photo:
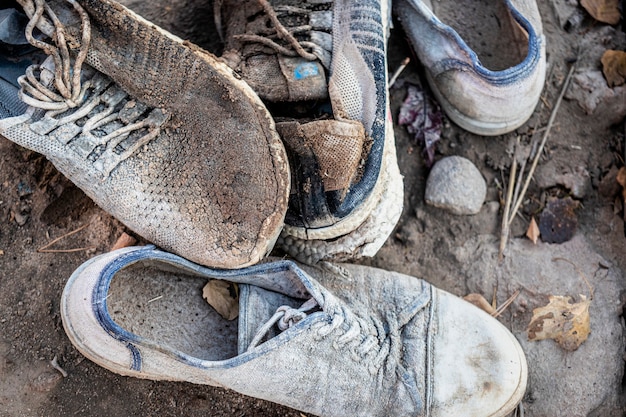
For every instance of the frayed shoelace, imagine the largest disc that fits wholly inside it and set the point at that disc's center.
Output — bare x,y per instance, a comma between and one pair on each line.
67,99
296,47
357,336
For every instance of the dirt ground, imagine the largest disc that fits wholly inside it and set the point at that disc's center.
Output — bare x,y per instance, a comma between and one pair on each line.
37,205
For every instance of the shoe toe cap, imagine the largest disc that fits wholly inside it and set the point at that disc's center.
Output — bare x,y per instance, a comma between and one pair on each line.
478,367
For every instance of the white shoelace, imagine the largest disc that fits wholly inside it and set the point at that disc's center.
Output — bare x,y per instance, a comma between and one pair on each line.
58,89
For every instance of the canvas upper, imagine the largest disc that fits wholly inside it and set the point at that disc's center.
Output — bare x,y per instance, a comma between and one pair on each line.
380,344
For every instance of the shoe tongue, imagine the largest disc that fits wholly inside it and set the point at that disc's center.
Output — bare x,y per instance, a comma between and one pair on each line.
256,307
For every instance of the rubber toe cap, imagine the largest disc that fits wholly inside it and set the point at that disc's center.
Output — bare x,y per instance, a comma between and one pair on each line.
478,367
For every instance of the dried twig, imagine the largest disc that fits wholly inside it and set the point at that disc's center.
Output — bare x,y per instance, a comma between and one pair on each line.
397,73
543,143
44,249
515,196
155,299
506,304
504,233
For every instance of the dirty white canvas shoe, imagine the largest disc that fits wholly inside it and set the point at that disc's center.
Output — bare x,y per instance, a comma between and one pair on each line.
156,131
379,344
485,61
320,65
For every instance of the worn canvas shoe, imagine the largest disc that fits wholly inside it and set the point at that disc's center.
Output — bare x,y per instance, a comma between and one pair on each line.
380,344
159,133
485,60
321,67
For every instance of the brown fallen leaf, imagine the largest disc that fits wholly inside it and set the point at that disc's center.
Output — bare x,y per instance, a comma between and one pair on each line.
125,240
533,231
223,296
566,323
606,11
480,302
614,67
621,177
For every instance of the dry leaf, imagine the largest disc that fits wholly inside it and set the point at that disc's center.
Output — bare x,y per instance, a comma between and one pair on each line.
480,302
614,67
606,11
621,177
223,297
558,221
124,241
566,323
533,231
1,252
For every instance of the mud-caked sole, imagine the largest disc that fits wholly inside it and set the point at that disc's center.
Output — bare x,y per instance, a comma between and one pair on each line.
212,183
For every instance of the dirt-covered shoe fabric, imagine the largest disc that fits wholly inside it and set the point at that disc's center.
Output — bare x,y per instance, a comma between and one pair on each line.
379,344
156,131
487,80
322,65
281,48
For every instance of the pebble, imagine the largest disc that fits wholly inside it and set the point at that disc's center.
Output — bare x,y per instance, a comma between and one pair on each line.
455,184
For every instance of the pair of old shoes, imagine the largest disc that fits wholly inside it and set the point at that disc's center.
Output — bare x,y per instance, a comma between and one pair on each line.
171,141
175,144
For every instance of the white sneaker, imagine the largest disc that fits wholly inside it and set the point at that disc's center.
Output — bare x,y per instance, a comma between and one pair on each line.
486,99
321,67
379,344
159,133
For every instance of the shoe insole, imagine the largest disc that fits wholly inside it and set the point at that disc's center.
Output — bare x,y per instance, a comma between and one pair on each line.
488,28
168,308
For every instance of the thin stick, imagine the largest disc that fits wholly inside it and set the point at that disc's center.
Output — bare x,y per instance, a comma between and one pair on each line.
154,299
45,247
504,233
543,142
397,73
55,364
65,250
506,304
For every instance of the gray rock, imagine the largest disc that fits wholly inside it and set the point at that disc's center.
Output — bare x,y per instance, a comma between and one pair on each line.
456,185
585,382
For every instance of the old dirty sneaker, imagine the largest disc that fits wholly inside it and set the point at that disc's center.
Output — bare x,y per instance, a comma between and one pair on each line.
485,61
379,344
157,132
320,65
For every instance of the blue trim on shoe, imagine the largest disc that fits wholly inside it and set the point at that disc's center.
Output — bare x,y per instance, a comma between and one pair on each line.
133,341
500,78
367,33
136,366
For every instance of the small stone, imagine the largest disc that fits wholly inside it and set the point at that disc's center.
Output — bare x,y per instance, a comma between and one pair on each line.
455,184
21,219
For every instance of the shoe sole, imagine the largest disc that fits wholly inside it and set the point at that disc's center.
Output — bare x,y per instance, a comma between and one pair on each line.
473,125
